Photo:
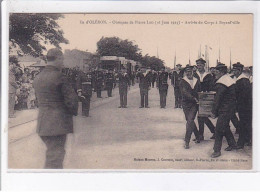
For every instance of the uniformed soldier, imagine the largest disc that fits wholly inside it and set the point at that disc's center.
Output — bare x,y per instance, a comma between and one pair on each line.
190,86
153,77
144,84
58,102
124,84
223,108
84,90
175,81
244,105
99,79
163,86
206,83
109,81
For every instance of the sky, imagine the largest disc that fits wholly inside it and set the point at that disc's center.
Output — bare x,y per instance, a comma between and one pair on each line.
165,34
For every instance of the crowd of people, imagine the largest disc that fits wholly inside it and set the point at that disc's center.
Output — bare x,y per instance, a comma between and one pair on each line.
57,91
21,91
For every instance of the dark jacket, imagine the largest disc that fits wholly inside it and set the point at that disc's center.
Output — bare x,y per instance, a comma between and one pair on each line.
85,83
206,83
57,102
162,82
176,78
109,80
243,93
124,81
188,93
145,80
225,99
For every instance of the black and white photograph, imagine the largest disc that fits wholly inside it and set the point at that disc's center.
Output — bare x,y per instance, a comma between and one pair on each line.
130,91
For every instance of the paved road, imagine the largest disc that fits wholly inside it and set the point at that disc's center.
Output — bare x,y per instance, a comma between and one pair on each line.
131,138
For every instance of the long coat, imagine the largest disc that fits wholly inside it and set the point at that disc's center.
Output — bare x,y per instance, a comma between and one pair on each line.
57,100
124,81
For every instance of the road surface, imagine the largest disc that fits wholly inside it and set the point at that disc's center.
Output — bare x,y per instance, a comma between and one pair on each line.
131,138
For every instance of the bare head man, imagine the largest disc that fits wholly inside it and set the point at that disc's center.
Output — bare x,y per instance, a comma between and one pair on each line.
55,58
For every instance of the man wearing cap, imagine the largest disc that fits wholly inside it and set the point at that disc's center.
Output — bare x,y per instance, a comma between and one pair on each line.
223,108
84,90
163,87
99,82
206,82
144,84
109,81
190,86
57,102
124,84
175,81
244,105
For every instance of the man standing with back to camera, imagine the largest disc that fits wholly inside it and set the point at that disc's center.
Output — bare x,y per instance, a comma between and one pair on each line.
58,102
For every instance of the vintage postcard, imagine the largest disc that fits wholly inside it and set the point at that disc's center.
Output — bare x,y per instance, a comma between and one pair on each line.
130,91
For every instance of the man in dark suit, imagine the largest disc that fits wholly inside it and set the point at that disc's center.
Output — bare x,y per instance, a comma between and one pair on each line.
124,84
176,77
153,77
99,79
144,84
58,102
223,108
163,87
190,86
244,105
206,82
84,90
109,81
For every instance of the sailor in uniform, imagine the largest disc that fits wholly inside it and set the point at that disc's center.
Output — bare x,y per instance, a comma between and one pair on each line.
163,87
223,108
84,90
206,82
190,86
244,105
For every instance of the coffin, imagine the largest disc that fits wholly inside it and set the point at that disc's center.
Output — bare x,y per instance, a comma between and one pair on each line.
206,100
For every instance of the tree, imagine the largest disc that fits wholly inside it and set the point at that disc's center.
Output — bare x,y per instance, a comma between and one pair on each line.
152,62
114,46
30,32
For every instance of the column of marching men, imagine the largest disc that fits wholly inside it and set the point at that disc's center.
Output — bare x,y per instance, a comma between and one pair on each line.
233,96
58,95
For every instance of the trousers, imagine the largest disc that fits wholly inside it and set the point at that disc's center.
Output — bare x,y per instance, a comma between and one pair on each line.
98,90
202,121
223,129
177,94
190,114
163,95
245,129
55,151
144,97
85,105
123,97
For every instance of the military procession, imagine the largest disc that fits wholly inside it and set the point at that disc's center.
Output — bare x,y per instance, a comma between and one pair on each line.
222,93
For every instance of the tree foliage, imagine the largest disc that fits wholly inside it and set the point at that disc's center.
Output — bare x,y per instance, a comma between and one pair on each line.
152,62
30,32
114,46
